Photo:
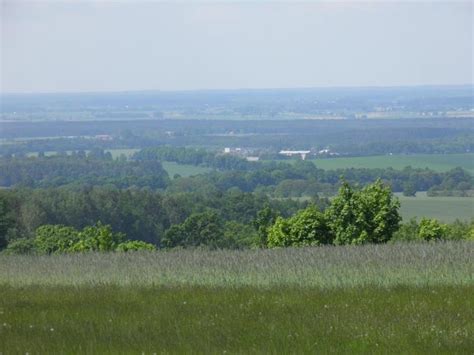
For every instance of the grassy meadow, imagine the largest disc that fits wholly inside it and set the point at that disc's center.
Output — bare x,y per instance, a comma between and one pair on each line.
398,298
184,170
437,162
443,208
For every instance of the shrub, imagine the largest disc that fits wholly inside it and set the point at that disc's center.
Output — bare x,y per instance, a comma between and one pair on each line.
98,238
21,246
431,229
307,227
55,239
134,245
200,229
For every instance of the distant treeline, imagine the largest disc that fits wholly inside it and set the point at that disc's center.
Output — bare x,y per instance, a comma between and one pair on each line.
351,137
192,156
94,168
278,179
139,213
101,219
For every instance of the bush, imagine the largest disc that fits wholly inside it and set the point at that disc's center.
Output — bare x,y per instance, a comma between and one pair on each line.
98,238
52,239
135,245
431,229
307,227
200,229
21,246
407,232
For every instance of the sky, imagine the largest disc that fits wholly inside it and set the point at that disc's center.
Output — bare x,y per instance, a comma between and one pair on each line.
81,46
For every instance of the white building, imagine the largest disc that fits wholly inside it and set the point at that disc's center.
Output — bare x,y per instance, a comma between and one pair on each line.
290,153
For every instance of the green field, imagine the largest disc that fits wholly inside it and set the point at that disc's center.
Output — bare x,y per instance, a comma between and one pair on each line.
183,169
437,162
189,320
401,298
446,209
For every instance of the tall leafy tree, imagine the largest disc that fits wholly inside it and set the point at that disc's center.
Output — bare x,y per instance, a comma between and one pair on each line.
363,216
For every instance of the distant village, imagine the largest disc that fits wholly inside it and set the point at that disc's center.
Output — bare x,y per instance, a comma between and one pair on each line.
250,155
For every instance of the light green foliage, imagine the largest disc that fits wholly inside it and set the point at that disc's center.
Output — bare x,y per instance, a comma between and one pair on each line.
135,245
51,239
97,238
307,227
363,216
200,229
55,239
431,229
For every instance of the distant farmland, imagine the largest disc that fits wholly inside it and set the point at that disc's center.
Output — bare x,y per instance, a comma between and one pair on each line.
437,162
446,209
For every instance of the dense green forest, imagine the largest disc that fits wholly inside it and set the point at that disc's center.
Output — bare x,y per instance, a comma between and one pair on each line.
277,179
231,219
238,204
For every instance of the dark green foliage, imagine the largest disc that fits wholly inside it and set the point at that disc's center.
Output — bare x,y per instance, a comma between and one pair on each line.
96,169
409,189
239,236
408,231
6,221
141,214
194,157
303,178
21,246
263,221
201,229
363,216
55,239
307,227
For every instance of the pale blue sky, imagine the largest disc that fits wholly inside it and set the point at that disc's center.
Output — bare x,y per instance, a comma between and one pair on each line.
110,46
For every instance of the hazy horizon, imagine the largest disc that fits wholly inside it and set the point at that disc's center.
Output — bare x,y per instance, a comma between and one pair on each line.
55,47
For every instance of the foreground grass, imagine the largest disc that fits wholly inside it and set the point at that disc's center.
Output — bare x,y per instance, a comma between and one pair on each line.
115,320
409,264
404,298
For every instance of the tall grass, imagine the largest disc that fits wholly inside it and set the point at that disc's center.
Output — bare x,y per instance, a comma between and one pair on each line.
206,320
448,264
